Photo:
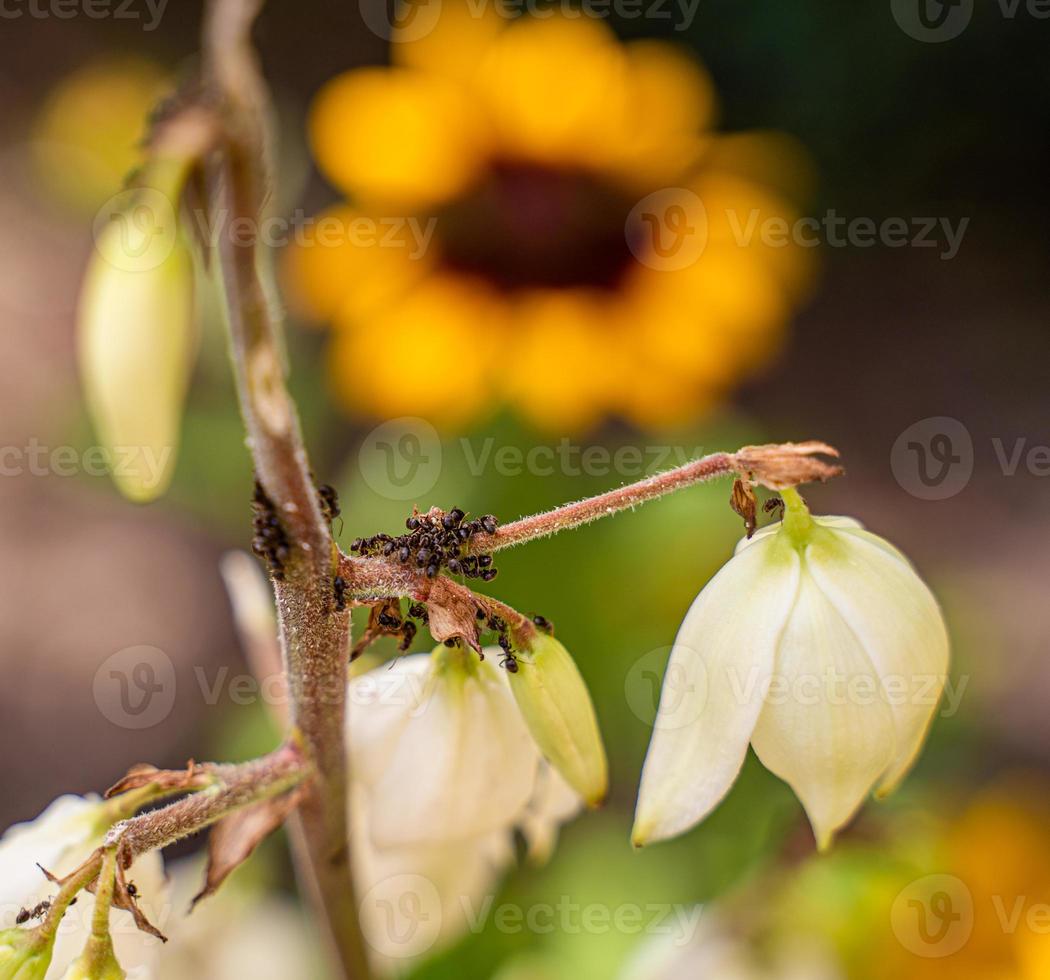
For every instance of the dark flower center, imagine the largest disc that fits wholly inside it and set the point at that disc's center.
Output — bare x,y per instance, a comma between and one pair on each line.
527,225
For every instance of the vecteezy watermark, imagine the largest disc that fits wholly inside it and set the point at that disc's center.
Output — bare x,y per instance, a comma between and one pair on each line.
933,459
567,458
932,917
383,688
410,233
149,12
137,229
37,459
667,230
404,915
668,693
410,20
677,922
934,21
135,688
833,230
401,459
680,687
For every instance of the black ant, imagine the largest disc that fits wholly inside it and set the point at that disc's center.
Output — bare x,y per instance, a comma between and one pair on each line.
339,587
36,912
330,503
775,504
543,624
133,890
509,661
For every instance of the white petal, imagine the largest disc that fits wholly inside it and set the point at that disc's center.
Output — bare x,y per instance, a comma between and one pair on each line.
66,828
713,689
890,608
414,900
463,765
553,803
825,728
379,706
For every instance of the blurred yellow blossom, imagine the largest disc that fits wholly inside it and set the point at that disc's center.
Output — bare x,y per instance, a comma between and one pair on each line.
86,136
541,215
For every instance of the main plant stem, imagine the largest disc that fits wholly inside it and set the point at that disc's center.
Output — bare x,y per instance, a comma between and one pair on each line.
314,634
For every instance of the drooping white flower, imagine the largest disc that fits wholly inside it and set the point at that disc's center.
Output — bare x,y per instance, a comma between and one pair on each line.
444,773
439,748
817,643
60,839
417,899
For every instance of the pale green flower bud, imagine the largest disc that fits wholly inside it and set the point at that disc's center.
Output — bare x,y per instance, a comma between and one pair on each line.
817,643
137,336
557,707
97,962
24,954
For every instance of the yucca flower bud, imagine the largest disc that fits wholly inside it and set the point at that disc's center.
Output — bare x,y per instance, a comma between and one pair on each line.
97,962
24,954
819,644
556,706
137,337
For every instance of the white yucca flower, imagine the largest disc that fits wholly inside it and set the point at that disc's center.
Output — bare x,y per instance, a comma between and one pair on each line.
61,839
817,643
444,772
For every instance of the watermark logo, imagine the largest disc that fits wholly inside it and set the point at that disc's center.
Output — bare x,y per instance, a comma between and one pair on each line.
933,458
134,688
401,459
400,20
679,685
932,21
136,229
667,230
405,915
933,916
149,12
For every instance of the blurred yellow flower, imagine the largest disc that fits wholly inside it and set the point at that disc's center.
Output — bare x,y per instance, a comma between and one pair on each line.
541,215
996,925
86,136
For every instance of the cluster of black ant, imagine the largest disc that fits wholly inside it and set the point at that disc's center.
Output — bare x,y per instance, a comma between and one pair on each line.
434,541
269,541
498,625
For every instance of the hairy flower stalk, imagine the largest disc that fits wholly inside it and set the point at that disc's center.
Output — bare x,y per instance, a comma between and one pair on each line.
98,961
817,643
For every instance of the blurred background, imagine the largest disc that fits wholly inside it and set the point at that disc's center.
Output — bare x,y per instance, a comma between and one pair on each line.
799,222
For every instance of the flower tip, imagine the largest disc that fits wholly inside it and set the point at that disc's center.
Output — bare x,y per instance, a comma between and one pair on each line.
598,799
